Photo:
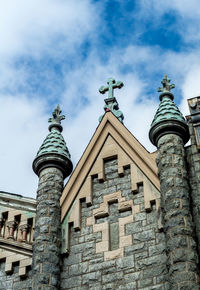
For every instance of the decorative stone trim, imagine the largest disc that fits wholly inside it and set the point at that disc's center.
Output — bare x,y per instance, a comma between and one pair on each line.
102,211
111,148
109,139
12,257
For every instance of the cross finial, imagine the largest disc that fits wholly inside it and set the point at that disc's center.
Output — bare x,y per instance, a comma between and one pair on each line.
111,102
57,118
112,84
166,85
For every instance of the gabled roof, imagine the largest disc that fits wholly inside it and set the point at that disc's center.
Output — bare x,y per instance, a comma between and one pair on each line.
109,125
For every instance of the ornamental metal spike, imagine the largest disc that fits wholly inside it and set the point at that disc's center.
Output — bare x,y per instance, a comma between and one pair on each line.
56,120
166,85
56,116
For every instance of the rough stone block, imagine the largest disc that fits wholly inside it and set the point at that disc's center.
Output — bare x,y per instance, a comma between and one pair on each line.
91,278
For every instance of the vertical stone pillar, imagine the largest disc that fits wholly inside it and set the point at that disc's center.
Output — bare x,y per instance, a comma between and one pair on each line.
47,238
177,218
193,158
52,164
169,132
11,229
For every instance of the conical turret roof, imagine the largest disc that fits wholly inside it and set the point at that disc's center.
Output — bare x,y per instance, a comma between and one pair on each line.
168,118
167,110
53,151
54,143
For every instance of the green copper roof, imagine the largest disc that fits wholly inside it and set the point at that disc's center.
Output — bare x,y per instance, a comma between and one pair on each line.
111,102
54,152
167,110
54,143
168,119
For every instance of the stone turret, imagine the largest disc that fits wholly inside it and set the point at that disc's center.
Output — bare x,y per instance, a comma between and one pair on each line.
52,164
169,132
193,158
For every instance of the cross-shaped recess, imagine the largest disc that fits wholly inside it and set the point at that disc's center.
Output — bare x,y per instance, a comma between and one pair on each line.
112,217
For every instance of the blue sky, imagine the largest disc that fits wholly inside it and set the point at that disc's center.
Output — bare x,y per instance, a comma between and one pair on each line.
62,51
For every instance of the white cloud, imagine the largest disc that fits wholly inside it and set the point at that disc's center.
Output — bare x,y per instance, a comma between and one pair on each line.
30,26
22,128
31,30
184,13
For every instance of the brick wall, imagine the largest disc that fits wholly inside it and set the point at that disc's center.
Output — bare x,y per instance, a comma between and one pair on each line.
136,262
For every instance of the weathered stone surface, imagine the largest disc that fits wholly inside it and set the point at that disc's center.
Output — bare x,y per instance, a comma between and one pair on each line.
47,236
143,265
177,219
193,161
12,280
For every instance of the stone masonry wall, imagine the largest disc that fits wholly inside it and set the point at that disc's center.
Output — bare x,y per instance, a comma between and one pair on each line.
143,264
12,281
177,218
193,160
47,235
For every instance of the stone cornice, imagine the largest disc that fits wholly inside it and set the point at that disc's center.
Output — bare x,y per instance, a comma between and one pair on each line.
17,201
17,247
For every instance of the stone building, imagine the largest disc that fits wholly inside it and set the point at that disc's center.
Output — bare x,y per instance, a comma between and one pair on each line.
126,219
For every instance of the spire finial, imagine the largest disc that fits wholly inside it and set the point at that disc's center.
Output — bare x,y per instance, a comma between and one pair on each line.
112,84
111,102
56,120
166,85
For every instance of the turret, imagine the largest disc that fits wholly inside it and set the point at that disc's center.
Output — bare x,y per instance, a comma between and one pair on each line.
169,132
52,165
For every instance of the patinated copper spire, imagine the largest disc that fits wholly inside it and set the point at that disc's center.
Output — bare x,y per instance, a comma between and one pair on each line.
53,150
111,102
168,118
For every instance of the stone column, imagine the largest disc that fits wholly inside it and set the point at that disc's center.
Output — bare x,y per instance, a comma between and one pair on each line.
193,158
47,237
1,224
24,231
177,218
11,229
169,132
52,164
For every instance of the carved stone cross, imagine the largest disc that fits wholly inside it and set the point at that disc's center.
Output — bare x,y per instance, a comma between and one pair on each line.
112,84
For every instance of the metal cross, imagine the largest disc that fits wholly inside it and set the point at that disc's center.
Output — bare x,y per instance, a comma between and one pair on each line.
166,85
112,84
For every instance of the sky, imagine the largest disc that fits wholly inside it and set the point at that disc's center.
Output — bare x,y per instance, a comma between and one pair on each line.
62,51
